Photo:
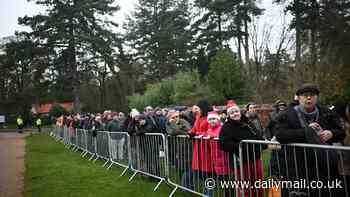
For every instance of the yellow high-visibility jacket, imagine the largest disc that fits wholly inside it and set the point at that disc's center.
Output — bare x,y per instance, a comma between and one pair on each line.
19,121
38,122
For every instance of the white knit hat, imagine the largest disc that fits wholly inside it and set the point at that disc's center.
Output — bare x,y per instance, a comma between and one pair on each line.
134,113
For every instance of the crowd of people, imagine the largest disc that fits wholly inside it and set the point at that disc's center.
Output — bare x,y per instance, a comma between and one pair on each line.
301,121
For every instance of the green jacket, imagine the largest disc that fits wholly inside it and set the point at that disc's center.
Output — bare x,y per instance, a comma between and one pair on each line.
114,126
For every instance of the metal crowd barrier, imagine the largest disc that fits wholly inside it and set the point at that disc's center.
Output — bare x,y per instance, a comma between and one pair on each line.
91,144
80,140
61,132
148,156
57,133
119,148
186,163
66,137
73,138
311,169
192,161
102,146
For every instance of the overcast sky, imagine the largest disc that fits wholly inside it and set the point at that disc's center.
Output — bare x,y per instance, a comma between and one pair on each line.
12,9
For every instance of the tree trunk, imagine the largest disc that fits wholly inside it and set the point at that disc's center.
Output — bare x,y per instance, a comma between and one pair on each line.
73,63
313,42
220,30
239,40
122,92
103,88
313,53
246,42
297,34
246,34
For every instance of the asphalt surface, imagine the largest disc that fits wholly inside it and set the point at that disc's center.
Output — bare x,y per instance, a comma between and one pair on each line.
12,150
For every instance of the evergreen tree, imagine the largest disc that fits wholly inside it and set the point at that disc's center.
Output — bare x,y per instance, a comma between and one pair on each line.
158,33
77,32
224,77
219,21
21,69
322,30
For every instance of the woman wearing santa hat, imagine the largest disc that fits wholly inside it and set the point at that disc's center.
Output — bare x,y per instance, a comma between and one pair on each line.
238,128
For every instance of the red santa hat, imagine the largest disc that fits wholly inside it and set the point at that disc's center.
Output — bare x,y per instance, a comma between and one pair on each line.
213,114
231,105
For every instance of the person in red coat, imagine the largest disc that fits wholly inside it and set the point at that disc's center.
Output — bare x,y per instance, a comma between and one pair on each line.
201,153
219,158
201,160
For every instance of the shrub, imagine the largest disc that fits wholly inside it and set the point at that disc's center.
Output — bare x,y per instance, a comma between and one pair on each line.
225,79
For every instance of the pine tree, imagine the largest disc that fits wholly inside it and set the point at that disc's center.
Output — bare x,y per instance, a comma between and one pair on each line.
224,77
219,21
158,32
78,34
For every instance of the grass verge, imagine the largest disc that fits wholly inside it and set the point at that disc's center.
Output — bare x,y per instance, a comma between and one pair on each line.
52,170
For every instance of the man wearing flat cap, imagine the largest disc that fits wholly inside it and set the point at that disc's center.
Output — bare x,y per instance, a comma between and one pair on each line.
308,122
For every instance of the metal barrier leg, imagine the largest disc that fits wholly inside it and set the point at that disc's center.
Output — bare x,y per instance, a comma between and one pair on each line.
132,177
124,171
92,156
173,192
105,163
156,187
110,165
86,152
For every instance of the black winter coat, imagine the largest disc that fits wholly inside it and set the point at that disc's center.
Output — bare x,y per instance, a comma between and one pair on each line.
289,130
297,163
232,132
137,129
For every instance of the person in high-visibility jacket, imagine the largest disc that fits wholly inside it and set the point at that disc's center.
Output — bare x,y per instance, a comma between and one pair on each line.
20,124
38,124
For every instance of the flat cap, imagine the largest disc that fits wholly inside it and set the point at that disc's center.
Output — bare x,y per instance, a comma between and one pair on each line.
308,87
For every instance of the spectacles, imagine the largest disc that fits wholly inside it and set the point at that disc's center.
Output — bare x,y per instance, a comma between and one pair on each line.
306,94
233,111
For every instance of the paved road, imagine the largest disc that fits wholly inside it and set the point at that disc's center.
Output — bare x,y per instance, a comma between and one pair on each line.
12,149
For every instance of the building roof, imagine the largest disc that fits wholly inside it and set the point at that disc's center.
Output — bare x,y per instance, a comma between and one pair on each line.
46,108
